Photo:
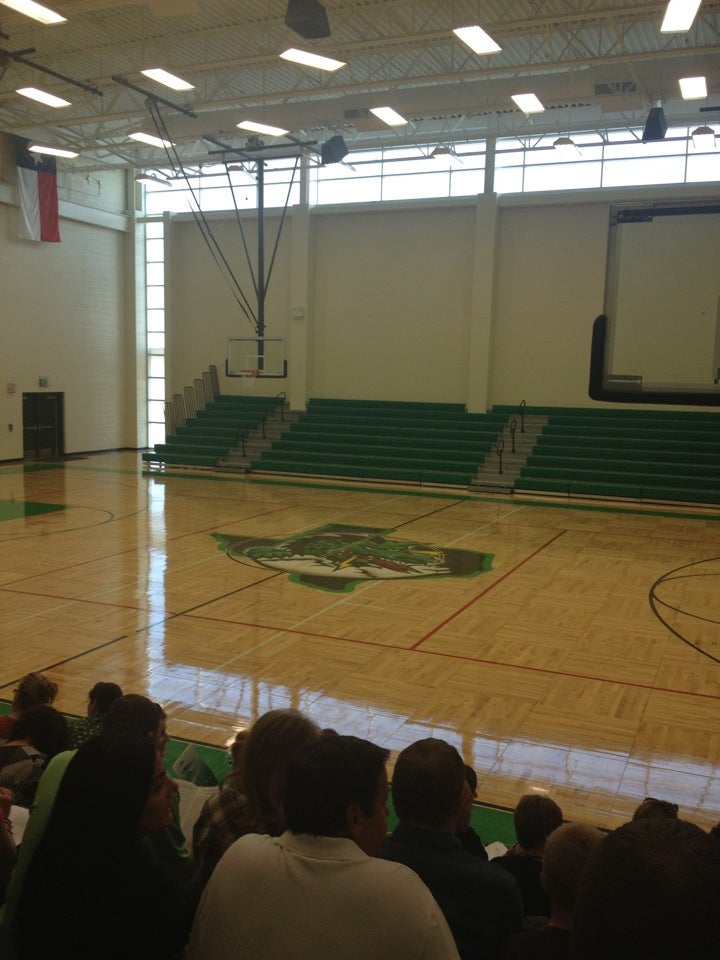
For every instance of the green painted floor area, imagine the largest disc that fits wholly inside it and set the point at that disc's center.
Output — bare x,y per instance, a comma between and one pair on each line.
17,509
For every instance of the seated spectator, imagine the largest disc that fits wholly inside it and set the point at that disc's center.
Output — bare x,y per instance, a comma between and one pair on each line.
99,700
650,890
8,850
317,892
481,903
38,734
567,851
90,890
135,715
535,817
35,689
250,800
466,834
650,807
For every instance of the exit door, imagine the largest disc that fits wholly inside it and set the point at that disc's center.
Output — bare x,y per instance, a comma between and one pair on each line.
43,426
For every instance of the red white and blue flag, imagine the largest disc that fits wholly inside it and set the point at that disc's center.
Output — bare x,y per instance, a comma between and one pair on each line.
37,185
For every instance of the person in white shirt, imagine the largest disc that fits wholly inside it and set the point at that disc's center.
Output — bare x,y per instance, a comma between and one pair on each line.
317,892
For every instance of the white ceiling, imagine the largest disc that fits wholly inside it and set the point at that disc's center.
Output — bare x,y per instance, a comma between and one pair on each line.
596,65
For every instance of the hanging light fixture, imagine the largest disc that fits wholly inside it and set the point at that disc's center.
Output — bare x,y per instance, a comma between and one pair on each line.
567,148
703,138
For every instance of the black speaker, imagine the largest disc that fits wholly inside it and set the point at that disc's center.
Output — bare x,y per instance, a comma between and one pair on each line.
655,125
334,150
308,18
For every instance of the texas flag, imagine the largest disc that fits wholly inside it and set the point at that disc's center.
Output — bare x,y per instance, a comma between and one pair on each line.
37,185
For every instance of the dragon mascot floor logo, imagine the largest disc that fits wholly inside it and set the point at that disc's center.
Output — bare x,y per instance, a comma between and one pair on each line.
337,557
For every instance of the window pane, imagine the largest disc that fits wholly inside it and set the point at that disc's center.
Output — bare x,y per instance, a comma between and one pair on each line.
154,229
156,411
424,185
155,273
156,433
465,183
619,173
156,366
155,298
156,341
509,180
174,201
355,190
156,320
155,251
156,388
563,176
703,166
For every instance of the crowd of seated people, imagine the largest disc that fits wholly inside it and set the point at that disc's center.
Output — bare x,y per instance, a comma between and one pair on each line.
291,858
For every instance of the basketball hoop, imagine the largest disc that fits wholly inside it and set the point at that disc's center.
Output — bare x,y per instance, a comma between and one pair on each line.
248,377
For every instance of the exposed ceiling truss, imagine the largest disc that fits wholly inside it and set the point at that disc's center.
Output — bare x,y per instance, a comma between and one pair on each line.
596,65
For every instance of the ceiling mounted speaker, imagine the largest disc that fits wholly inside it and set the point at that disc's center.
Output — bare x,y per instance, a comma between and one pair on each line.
655,125
308,18
334,150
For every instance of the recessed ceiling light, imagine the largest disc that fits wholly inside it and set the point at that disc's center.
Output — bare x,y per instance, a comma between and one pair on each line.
167,79
35,10
254,127
476,38
150,139
52,151
693,88
308,59
679,15
528,102
389,116
48,99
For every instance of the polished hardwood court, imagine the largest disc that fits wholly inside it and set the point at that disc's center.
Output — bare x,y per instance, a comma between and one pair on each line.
584,662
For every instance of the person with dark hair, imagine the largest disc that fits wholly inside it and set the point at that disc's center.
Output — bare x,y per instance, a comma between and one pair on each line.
38,734
535,817
90,889
317,892
8,848
466,833
250,799
34,689
567,851
481,903
650,889
650,807
100,699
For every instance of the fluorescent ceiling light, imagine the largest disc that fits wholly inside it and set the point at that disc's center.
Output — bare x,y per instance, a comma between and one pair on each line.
311,59
389,116
528,102
34,10
262,128
477,39
703,138
52,151
167,79
48,99
150,139
693,88
679,15
567,148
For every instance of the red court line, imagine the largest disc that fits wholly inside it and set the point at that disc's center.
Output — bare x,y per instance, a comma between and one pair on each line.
492,586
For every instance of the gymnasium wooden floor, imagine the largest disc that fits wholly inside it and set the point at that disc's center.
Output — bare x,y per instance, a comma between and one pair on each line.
549,671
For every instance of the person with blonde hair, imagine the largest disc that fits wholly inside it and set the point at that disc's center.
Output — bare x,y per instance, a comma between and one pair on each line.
250,799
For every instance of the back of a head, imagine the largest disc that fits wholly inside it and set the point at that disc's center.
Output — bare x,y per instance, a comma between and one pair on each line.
274,739
651,808
328,777
44,728
566,854
103,695
132,715
427,784
650,890
535,817
91,831
34,689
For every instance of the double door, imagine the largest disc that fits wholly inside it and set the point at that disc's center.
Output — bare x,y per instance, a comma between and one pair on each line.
43,426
